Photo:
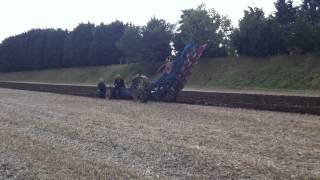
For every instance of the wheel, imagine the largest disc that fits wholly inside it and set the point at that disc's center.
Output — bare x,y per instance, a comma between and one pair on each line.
140,88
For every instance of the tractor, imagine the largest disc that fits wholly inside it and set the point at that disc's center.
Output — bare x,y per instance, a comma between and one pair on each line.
169,85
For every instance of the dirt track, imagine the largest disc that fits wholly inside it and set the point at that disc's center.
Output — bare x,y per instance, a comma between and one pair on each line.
50,136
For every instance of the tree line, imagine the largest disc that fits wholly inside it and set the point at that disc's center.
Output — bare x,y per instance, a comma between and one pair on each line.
290,29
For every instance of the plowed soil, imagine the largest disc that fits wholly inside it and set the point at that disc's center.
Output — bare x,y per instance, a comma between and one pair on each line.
51,136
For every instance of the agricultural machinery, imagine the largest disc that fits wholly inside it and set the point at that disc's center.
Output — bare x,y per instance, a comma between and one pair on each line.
168,86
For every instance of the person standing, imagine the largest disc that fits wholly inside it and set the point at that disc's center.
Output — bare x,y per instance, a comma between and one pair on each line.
118,86
101,88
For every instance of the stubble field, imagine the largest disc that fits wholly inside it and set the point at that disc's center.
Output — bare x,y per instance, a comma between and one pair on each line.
50,136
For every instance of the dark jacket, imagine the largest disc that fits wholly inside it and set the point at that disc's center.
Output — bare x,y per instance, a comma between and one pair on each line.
102,87
119,83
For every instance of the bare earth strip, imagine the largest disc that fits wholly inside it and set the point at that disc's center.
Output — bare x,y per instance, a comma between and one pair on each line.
50,136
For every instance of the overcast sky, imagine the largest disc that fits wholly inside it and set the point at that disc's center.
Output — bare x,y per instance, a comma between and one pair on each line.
17,16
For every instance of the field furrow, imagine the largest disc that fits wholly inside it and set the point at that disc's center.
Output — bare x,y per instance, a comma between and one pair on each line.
50,136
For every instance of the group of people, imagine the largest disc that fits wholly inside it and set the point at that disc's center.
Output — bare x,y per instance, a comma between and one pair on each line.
118,83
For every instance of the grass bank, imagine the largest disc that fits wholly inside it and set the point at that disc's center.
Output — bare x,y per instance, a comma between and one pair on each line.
279,73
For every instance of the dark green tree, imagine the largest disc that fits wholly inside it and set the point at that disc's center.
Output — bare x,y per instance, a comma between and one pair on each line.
257,35
317,37
247,39
201,26
77,45
285,16
103,49
53,48
156,38
303,37
285,12
310,9
130,44
35,49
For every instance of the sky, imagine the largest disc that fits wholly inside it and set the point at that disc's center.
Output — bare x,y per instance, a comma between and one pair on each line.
17,16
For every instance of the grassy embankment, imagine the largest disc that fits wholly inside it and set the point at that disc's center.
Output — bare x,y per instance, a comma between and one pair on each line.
79,75
280,73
